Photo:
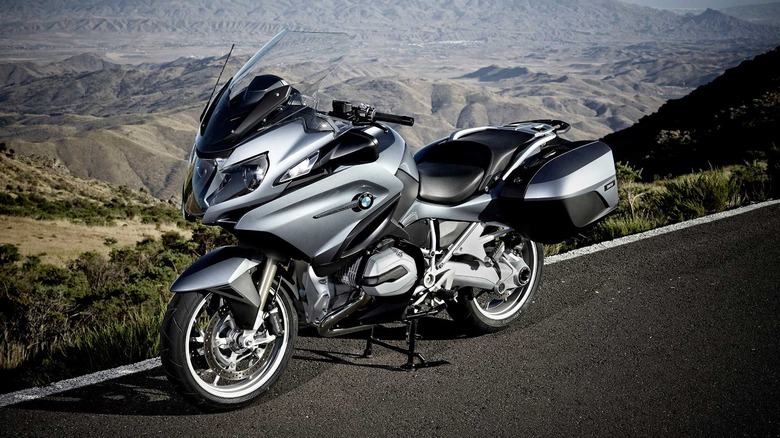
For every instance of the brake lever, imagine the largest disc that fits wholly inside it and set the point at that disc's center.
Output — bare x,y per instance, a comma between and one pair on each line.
358,114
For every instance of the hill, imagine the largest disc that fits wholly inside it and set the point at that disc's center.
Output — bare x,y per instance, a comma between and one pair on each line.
732,119
133,125
46,210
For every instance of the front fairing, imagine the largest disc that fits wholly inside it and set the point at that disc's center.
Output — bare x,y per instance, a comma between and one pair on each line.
236,118
208,196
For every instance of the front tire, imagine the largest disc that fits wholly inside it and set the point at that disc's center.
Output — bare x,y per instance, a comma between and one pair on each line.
203,357
481,312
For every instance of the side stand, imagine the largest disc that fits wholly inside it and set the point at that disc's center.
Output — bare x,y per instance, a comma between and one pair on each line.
411,353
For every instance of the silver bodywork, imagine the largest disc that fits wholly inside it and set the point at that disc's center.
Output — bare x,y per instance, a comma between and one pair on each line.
226,270
317,219
298,217
254,171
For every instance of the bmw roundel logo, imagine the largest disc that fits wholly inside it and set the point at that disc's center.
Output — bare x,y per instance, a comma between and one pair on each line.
365,201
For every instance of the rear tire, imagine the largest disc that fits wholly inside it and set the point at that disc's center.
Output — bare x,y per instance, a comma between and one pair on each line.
480,312
205,364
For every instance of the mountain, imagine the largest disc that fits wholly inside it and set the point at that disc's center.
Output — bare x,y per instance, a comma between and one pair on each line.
128,124
767,14
133,28
727,121
719,23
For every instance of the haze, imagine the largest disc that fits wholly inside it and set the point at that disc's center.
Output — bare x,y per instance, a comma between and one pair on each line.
696,4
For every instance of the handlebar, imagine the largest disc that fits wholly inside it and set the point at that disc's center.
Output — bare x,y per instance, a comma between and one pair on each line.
364,114
391,118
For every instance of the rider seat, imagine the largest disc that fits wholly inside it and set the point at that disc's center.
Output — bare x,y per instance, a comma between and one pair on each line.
451,171
446,183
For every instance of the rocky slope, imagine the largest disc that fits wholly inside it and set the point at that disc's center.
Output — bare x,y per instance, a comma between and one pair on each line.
732,119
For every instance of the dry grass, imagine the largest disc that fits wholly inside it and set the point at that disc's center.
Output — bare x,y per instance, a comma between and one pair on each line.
62,241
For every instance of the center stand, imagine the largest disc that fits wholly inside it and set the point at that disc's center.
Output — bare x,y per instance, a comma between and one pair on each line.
411,353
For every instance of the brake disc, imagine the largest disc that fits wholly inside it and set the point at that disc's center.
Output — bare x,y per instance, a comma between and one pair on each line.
227,359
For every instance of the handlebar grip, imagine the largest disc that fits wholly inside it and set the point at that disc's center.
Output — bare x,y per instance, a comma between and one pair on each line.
392,118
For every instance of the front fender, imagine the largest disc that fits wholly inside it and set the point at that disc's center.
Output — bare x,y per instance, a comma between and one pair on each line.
225,271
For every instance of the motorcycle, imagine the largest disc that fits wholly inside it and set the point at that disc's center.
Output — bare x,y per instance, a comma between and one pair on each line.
341,228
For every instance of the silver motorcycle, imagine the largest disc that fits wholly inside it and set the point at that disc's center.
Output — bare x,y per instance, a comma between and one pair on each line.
341,228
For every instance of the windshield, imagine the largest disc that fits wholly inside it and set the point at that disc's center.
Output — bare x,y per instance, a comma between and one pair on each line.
278,82
303,59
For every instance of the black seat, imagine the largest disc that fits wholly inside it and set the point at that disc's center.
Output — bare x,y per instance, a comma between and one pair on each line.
446,183
502,145
451,171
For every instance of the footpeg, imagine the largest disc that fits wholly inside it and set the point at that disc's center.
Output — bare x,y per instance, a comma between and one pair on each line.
446,295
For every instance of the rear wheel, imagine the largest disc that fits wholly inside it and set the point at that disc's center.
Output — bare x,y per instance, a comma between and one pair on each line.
215,364
482,311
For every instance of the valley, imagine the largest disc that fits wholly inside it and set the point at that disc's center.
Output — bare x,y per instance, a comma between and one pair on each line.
113,90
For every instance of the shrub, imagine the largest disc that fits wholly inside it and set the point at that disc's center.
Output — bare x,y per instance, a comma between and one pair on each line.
773,171
643,206
86,211
98,312
694,196
752,182
9,254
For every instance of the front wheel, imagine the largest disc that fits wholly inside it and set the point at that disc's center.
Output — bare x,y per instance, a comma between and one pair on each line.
215,364
481,311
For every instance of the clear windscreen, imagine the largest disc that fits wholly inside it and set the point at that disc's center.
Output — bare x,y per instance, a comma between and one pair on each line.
303,59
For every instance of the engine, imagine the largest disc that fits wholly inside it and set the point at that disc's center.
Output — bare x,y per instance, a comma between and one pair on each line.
387,271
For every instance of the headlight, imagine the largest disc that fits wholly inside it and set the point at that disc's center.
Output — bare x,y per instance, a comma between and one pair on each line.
239,179
199,176
300,169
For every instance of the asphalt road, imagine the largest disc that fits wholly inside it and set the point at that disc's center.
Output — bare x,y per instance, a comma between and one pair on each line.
677,335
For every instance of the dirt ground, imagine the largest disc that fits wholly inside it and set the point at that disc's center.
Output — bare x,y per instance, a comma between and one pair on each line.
58,242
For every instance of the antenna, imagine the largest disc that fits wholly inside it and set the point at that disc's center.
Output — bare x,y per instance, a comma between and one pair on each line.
213,90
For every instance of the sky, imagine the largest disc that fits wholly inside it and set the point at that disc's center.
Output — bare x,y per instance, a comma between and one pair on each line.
696,4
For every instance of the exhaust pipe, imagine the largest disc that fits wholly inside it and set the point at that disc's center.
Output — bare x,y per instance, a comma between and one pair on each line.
326,330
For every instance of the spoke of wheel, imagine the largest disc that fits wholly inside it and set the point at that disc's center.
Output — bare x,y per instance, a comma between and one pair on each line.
232,361
244,356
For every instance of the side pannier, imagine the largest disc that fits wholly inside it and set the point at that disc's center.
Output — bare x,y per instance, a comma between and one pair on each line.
559,191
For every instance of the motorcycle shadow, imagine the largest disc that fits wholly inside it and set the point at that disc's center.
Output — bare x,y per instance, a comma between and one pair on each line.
391,338
148,393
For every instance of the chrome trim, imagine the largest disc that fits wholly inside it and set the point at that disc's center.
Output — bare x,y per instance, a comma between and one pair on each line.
529,151
458,134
